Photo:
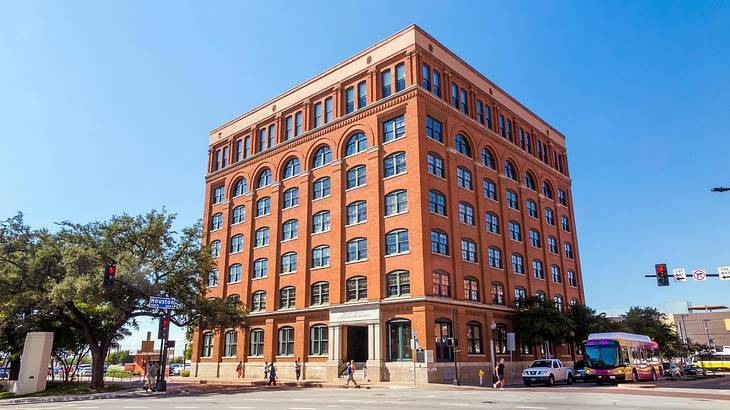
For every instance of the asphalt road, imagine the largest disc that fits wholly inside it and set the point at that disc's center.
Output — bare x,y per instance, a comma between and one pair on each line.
388,398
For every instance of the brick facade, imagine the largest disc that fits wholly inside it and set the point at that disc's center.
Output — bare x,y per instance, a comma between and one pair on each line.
421,307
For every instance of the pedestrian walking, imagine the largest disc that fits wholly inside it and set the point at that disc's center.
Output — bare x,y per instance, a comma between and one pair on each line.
272,375
239,370
350,372
499,372
266,370
152,376
298,368
148,382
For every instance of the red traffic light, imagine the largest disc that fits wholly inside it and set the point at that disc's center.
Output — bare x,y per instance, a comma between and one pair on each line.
660,268
112,269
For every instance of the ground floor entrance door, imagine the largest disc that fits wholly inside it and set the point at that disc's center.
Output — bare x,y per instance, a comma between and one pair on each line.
357,343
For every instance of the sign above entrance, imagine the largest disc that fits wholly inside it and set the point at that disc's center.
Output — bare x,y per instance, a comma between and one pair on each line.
352,314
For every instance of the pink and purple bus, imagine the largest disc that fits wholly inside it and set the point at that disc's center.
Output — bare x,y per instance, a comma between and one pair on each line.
618,356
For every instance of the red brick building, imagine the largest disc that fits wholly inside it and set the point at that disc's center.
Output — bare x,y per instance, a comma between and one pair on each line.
397,195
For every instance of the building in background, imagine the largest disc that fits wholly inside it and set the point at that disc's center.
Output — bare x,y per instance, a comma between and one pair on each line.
707,324
398,195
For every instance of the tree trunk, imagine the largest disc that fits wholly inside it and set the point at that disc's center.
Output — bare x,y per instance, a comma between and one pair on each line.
97,367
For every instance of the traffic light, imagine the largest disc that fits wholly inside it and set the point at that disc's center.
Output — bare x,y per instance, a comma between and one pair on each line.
110,271
164,330
662,276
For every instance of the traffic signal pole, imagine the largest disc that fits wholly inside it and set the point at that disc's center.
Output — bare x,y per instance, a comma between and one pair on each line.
163,334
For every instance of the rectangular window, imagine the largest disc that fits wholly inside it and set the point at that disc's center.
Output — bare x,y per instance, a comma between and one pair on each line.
362,94
464,102
509,130
455,95
218,194
433,129
217,160
385,83
239,151
224,160
502,131
247,147
327,110
272,135
400,77
480,117
349,100
487,115
394,129
289,128
436,83
317,114
297,123
262,139
426,77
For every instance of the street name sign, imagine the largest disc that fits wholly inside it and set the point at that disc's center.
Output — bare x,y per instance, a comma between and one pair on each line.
724,272
699,274
162,303
679,275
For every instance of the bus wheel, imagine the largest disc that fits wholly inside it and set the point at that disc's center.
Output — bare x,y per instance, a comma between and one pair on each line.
634,376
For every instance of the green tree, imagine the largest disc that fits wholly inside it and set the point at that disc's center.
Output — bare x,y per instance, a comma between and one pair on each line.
120,357
539,321
152,259
585,321
653,323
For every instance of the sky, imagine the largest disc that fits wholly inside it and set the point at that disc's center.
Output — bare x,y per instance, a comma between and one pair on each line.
105,108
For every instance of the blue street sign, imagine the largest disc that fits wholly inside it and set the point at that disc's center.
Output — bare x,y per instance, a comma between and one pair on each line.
162,303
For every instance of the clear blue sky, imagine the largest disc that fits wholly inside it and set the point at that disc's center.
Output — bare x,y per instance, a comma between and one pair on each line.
105,108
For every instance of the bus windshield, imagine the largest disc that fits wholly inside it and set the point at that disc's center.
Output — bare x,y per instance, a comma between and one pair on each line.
604,356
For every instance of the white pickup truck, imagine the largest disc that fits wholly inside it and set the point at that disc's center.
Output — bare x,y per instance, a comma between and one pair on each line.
547,371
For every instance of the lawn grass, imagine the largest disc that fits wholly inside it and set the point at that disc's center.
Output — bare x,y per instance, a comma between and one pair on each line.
64,389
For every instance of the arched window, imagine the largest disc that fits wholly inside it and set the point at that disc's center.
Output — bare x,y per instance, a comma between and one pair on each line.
262,237
318,340
236,243
290,230
463,178
530,181
229,343
468,250
292,168
321,222
466,213
573,302
287,297
535,238
356,177
357,249
356,143
216,221
357,212
394,128
239,214
520,296
258,301
494,256
234,298
291,198
399,340
289,262
552,245
532,208
512,199
492,222
547,190
234,273
500,338
321,188
320,293
256,342
572,279
263,206
399,283
212,278
559,303
564,222
540,295
510,171
357,288
207,345
555,273
394,164
549,216
321,256
265,178
462,145
537,269
322,156
568,250
240,187
437,202
441,284
261,268
215,248
471,289
490,189
518,264
488,159
396,242
497,293
474,337
396,202
515,231
435,165
286,341
443,332
439,242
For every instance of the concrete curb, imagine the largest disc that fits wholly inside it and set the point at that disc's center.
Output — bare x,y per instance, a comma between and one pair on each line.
131,392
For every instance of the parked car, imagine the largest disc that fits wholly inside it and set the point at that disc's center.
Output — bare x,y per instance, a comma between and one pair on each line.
4,373
580,370
548,371
672,370
175,369
84,370
694,370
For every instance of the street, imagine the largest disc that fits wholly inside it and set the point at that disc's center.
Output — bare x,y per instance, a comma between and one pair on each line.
401,397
